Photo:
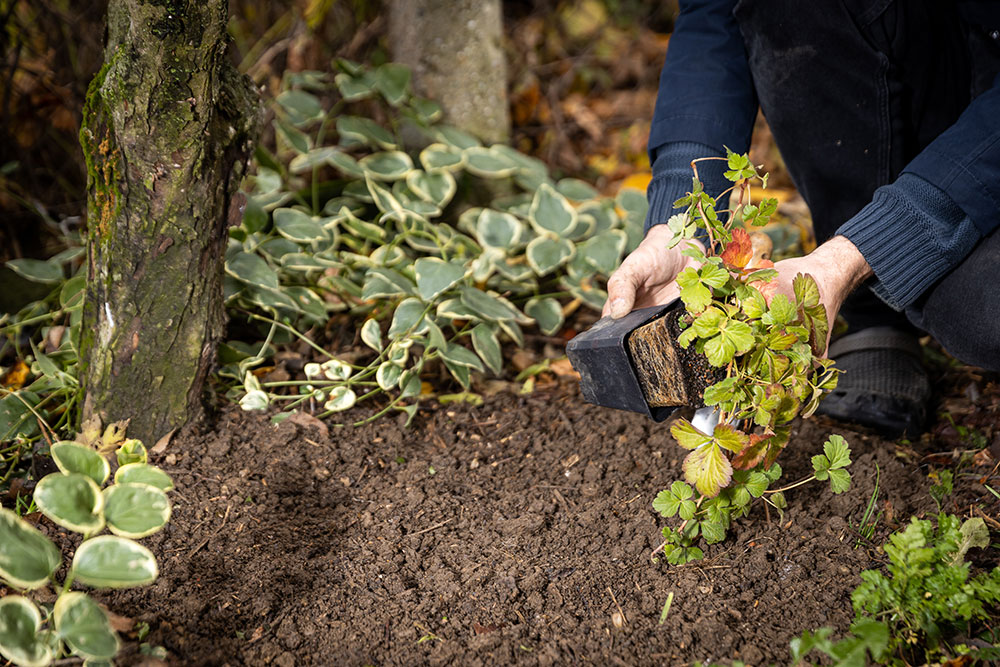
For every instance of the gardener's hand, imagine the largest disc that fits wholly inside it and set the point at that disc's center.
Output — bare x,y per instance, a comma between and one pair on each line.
838,268
646,277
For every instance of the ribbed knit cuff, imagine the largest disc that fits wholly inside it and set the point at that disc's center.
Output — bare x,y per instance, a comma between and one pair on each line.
911,234
672,178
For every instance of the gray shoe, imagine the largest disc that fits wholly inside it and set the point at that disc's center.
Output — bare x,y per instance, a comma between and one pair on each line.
883,385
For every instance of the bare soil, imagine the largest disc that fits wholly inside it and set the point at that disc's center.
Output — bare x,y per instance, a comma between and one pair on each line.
511,533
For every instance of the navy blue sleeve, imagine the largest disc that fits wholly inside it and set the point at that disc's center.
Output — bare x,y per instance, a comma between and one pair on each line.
706,93
672,176
964,161
911,234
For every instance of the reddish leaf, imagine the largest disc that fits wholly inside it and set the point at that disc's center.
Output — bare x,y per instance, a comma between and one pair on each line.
738,251
752,453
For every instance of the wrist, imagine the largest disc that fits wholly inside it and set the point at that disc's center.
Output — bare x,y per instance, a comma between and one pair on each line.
843,263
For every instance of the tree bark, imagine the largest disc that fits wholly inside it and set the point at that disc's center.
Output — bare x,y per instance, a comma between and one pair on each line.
455,50
167,130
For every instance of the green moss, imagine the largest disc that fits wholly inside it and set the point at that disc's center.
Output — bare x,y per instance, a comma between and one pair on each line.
101,156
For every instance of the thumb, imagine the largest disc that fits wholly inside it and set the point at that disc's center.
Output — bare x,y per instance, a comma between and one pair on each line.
621,294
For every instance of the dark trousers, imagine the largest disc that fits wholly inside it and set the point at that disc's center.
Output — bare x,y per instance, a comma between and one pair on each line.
853,90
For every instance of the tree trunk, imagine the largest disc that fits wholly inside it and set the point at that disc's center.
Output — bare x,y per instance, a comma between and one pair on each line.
455,50
167,130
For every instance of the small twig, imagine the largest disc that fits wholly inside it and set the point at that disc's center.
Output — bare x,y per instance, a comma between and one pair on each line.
620,611
427,530
214,534
986,517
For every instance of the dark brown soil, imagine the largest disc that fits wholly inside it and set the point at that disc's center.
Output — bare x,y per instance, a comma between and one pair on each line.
505,534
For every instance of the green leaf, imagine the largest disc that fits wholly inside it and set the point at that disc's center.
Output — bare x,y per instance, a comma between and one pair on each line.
604,251
547,312
574,188
387,166
456,355
70,457
357,129
296,226
143,473
381,283
27,558
387,375
484,341
251,269
131,451
83,625
341,398
408,318
454,309
840,480
355,88
498,230
837,451
757,484
300,105
371,334
135,510
781,311
109,561
428,111
550,213
296,139
806,291
393,81
487,306
666,503
37,270
441,157
20,640
708,469
436,187
729,438
455,137
546,254
687,435
713,532
488,163
720,350
436,276
713,275
694,294
73,501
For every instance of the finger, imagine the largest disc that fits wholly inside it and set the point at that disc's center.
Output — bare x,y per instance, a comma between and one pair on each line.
621,293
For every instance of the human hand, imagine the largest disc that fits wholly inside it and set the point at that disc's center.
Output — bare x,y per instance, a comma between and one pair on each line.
646,277
838,268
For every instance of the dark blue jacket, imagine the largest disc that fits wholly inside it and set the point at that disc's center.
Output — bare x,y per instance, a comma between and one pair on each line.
913,232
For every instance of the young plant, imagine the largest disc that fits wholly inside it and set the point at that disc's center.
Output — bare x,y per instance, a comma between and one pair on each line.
769,356
134,505
912,615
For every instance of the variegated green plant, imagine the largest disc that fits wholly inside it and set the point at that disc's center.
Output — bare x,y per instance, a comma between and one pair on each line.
769,352
414,242
134,505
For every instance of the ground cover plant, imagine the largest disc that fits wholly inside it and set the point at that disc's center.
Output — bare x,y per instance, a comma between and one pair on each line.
913,615
771,352
441,253
134,505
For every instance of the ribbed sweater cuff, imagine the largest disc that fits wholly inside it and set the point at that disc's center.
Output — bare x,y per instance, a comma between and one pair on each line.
672,177
911,234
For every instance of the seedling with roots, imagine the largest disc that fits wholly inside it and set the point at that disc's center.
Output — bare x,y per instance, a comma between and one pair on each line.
769,347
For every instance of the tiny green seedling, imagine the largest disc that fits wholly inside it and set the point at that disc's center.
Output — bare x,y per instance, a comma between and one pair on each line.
770,350
944,484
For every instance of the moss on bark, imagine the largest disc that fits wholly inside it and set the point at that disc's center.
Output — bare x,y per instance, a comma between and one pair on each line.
167,130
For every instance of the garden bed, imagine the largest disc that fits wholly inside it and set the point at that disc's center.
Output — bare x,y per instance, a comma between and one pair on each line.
513,532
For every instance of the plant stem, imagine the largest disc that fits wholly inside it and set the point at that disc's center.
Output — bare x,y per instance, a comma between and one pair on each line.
792,486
